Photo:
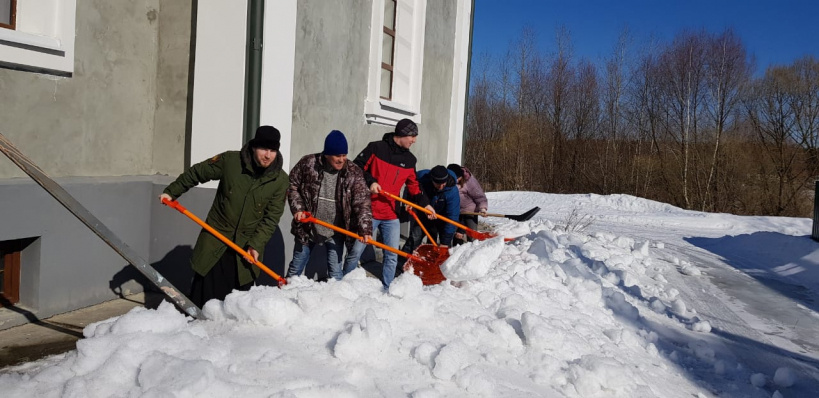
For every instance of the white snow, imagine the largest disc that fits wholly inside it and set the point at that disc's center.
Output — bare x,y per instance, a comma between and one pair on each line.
648,301
784,377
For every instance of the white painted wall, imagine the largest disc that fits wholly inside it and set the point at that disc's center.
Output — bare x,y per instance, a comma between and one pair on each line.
219,79
459,82
278,71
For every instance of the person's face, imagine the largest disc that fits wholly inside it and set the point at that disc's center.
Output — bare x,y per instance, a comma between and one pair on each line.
264,156
406,141
336,161
439,186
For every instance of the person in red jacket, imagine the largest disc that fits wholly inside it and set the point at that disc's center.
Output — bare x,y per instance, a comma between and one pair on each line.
388,165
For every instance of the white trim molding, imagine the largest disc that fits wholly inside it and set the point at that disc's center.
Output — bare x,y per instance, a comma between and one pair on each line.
460,79
43,39
408,61
219,80
278,71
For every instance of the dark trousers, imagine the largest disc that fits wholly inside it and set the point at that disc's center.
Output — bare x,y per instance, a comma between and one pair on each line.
470,222
222,279
416,234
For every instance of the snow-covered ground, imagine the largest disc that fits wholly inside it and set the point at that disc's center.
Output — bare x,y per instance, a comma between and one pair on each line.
600,296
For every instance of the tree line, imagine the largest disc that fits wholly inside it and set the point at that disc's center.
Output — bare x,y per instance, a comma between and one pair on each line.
685,122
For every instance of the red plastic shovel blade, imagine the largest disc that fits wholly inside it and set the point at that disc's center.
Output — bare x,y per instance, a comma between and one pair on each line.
480,235
428,263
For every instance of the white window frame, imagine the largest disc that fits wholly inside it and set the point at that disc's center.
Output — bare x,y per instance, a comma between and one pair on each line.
410,23
43,39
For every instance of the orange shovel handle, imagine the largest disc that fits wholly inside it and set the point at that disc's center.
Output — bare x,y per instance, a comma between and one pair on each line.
420,224
469,231
175,204
440,217
309,218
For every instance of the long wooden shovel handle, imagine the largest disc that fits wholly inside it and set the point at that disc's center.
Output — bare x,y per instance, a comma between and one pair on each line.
175,204
309,218
474,213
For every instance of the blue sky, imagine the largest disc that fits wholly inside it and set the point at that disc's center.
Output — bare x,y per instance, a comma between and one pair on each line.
775,31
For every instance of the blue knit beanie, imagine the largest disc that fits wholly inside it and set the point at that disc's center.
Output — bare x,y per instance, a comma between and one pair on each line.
335,144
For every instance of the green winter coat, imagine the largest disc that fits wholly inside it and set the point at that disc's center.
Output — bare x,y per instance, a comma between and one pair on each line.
246,209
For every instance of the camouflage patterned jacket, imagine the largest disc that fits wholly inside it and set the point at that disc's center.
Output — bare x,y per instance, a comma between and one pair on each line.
352,197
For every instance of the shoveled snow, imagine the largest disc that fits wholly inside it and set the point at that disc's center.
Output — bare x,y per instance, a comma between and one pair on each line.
472,260
647,301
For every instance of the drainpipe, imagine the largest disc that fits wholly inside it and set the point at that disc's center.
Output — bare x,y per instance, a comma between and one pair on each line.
468,79
253,67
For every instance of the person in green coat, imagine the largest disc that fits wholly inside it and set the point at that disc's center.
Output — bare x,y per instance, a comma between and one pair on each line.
248,204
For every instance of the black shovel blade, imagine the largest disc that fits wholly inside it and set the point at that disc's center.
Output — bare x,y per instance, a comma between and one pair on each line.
525,216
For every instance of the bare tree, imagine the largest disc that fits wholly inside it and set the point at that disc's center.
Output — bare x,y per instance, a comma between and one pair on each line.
612,113
772,116
558,80
726,71
683,123
805,106
682,67
584,114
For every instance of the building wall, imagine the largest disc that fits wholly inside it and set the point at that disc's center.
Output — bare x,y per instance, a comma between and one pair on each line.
332,41
437,84
67,266
123,111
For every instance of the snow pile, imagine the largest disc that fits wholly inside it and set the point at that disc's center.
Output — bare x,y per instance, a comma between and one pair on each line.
583,314
472,260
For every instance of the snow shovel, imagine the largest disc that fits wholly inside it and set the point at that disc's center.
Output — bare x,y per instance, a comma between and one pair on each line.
426,262
433,249
420,224
520,217
470,232
174,204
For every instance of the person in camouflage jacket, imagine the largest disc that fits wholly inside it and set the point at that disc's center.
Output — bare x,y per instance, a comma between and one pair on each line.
332,188
248,204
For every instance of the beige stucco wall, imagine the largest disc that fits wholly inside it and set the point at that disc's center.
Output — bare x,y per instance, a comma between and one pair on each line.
123,111
332,55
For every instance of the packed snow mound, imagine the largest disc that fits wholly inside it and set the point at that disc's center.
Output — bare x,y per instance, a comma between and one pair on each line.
617,202
612,212
472,260
536,317
628,203
597,313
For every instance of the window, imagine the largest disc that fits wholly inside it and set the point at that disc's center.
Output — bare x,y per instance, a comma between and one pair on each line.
10,272
8,11
387,49
39,35
396,59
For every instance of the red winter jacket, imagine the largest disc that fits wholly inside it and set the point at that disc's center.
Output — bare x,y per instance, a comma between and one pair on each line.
391,166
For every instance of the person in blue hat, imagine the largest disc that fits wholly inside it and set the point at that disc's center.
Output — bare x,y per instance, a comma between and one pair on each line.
333,189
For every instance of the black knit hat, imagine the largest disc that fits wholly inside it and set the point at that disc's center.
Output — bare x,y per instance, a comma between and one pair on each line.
266,137
458,170
438,174
406,127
